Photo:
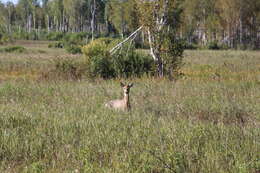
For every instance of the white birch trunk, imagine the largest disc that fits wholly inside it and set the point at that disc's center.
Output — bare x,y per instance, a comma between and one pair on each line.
93,14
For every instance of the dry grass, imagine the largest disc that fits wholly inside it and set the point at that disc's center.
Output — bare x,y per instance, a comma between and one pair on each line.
208,121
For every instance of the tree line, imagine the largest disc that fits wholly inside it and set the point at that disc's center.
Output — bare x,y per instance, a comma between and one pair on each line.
233,23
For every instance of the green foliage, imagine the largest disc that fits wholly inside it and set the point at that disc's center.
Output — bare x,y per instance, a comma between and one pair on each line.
123,15
198,124
126,63
101,66
97,57
56,45
76,38
169,50
190,46
33,35
5,38
73,42
68,69
172,54
55,36
201,20
15,49
132,64
73,49
213,45
98,47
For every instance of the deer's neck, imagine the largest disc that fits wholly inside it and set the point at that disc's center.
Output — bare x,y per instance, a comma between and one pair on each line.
126,100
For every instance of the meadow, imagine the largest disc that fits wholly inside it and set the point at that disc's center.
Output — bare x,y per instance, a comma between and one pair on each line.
207,121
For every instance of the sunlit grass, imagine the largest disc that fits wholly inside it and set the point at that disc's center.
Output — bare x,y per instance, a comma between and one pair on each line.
207,121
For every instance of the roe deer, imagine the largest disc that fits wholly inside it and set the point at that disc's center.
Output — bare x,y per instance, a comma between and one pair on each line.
123,104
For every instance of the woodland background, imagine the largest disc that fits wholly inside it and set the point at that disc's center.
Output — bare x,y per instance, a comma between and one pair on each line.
230,23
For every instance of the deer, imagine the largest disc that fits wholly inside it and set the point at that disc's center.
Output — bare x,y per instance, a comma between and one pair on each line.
123,104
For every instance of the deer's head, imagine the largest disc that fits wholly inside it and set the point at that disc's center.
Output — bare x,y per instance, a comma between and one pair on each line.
126,88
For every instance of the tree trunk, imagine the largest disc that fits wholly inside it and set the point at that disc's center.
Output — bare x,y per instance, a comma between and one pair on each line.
93,14
9,20
48,23
155,54
34,21
160,67
63,21
254,35
29,23
241,31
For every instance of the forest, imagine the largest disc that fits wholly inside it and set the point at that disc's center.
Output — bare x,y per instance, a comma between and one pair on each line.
230,23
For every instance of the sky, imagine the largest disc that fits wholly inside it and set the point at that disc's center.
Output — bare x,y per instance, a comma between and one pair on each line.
4,1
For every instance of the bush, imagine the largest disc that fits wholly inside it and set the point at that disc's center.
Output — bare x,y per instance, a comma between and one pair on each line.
56,45
74,41
55,36
125,64
73,49
213,45
5,38
76,38
33,35
68,69
132,64
190,46
16,49
101,66
97,47
97,58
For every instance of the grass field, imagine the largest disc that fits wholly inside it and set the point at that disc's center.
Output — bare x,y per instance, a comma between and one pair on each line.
207,121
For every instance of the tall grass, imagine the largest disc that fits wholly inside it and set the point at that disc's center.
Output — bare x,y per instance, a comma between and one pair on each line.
208,121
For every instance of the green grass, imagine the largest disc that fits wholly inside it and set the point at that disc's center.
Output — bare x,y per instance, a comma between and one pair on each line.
208,121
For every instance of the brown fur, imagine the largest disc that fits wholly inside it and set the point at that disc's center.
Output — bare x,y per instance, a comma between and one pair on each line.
121,104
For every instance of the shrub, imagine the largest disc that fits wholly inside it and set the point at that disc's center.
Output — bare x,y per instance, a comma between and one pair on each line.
132,64
16,49
5,38
124,64
76,38
68,69
190,46
213,45
97,58
23,35
97,47
101,66
55,36
73,49
73,42
56,45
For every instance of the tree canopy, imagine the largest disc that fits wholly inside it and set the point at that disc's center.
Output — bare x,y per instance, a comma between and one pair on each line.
231,22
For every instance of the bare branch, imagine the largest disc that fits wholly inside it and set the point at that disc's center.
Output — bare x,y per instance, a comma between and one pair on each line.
125,40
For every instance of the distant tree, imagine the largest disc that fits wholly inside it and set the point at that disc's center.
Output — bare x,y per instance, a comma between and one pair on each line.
2,19
123,15
73,14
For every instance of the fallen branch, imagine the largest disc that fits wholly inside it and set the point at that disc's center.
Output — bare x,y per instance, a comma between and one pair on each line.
131,43
125,40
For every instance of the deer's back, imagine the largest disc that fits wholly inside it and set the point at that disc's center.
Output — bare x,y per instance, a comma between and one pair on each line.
116,104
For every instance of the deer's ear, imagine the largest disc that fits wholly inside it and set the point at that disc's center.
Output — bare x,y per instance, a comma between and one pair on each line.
122,84
130,85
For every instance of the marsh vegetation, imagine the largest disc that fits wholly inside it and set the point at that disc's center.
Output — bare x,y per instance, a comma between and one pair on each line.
206,121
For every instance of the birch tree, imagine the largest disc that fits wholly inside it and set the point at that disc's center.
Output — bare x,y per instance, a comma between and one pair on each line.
160,20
